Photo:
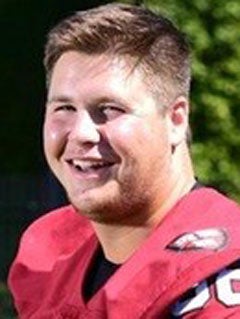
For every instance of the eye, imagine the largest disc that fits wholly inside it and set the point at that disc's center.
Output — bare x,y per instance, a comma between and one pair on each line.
64,108
111,112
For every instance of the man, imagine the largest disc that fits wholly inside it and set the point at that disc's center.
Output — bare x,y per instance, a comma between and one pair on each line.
141,239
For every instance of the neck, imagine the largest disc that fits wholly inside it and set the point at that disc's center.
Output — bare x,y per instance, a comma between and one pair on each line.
120,242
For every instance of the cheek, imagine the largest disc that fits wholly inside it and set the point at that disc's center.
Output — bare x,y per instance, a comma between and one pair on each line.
54,136
140,140
128,136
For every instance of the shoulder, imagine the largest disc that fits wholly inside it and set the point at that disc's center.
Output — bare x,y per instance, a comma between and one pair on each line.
208,195
209,205
57,233
53,238
212,236
205,210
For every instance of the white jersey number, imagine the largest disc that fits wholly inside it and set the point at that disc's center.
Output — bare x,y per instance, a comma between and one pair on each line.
225,287
224,290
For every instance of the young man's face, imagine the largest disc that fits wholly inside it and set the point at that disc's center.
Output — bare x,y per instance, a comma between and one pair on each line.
105,138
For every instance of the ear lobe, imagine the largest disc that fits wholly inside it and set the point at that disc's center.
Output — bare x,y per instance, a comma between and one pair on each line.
178,116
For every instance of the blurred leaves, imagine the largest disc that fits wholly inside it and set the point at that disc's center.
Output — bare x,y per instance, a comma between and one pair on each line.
6,307
213,29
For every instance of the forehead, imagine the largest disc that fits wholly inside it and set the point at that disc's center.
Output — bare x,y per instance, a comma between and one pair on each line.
77,70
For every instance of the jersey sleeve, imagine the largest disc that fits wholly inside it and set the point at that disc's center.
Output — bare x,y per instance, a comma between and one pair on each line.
216,297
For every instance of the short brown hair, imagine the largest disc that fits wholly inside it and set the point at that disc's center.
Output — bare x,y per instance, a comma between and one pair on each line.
150,40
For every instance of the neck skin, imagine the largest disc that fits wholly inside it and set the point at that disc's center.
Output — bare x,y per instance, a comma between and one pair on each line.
119,242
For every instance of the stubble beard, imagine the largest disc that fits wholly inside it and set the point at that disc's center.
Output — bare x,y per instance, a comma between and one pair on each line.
128,205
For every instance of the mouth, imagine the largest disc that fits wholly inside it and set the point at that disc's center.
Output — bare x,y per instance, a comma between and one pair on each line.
89,166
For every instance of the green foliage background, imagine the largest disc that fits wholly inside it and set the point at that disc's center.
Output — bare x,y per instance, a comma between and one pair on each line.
213,29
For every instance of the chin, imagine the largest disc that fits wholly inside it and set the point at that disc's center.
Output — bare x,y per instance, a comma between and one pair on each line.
101,209
96,212
91,203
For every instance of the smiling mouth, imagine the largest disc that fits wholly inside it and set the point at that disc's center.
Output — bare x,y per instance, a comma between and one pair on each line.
89,166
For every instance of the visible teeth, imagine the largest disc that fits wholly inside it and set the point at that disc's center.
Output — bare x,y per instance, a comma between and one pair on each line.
85,165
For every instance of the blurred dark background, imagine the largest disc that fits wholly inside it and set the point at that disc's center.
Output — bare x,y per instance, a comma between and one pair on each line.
27,189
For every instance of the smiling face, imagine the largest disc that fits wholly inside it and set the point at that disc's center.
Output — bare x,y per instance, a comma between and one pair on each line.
106,139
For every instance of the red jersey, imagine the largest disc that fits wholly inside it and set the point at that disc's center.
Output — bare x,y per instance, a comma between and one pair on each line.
187,268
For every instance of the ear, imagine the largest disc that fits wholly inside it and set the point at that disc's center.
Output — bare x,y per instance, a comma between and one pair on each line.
179,120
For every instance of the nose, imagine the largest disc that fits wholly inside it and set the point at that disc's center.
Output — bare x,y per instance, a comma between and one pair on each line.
84,130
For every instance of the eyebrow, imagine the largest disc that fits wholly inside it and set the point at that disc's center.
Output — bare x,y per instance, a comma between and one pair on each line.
59,98
98,100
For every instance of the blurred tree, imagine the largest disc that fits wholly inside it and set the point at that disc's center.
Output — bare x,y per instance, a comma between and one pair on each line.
212,27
